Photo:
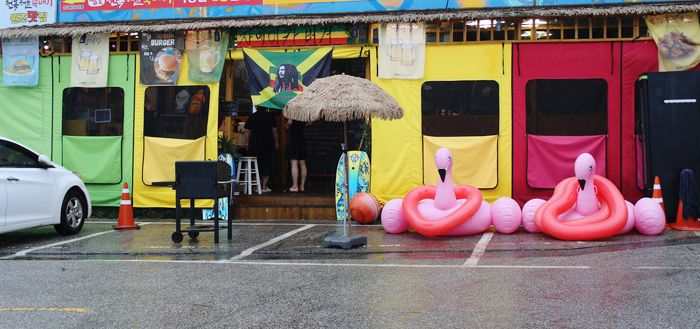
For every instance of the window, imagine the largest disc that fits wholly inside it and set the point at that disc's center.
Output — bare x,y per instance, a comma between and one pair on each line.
460,108
93,111
176,111
567,107
15,156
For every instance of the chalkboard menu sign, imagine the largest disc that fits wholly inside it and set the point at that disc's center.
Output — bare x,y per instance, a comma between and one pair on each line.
323,141
323,147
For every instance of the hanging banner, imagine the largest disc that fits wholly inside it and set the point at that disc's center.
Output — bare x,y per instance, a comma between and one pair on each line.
90,61
277,77
161,57
401,50
292,36
14,13
141,10
20,61
206,54
677,37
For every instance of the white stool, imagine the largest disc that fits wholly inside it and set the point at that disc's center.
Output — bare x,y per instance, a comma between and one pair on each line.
248,166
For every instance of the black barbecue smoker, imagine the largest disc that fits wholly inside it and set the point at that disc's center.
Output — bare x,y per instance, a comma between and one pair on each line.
202,180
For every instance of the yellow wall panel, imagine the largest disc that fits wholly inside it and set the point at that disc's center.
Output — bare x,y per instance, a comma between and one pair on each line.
397,146
157,196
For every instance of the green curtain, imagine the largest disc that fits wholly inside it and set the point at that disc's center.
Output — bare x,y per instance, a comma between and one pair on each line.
98,159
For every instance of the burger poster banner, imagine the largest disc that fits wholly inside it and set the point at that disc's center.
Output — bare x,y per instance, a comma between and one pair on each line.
161,57
401,50
20,61
206,53
90,61
677,36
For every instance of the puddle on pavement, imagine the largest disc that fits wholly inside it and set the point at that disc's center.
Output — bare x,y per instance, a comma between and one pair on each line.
153,242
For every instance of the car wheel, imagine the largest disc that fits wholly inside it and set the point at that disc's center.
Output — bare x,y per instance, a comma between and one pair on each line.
73,214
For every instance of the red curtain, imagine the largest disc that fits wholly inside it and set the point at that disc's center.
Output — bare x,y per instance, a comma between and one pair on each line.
550,159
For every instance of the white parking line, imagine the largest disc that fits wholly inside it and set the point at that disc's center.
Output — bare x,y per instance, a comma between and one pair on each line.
250,251
26,251
307,264
244,224
667,268
479,250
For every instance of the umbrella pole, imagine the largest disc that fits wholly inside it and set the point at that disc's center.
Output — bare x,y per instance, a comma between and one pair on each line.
345,241
346,196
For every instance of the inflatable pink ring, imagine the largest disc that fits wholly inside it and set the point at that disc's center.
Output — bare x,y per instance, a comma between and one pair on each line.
604,223
447,223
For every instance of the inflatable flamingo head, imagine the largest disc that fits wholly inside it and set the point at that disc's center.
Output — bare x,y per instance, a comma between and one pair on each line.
443,162
584,169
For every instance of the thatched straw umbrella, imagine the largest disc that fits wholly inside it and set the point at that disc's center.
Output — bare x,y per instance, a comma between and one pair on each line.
342,98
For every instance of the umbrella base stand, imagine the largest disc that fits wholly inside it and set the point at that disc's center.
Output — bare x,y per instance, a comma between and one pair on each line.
344,241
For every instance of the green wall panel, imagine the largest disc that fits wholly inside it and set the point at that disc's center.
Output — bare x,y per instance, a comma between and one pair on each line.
25,112
103,191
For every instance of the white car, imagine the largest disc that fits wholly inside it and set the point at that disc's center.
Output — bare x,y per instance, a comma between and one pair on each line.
35,191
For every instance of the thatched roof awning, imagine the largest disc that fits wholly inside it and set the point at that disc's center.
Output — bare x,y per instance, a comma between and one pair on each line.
342,98
75,29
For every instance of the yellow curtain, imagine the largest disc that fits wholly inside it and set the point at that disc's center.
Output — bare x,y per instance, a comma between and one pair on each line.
160,154
397,150
164,197
474,159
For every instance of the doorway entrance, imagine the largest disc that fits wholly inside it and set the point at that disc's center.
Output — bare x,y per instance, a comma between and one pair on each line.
323,139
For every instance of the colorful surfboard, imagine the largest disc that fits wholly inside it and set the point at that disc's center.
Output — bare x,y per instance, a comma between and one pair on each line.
358,180
223,202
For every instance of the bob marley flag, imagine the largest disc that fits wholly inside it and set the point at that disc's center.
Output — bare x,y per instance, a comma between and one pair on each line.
277,77
677,36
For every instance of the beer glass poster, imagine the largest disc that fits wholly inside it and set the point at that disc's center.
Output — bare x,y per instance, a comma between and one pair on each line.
90,61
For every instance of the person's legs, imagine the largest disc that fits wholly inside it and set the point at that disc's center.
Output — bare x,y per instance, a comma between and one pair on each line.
295,176
266,167
265,180
302,164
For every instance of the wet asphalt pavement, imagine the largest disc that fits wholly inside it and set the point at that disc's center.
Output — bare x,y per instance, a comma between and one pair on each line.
279,275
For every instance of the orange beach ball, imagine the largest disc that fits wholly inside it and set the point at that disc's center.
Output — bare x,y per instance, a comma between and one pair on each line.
364,208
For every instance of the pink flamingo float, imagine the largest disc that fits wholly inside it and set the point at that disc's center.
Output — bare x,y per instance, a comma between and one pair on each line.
593,210
447,210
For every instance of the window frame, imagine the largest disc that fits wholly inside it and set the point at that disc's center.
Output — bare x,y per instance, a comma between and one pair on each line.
533,115
33,157
174,116
92,111
467,113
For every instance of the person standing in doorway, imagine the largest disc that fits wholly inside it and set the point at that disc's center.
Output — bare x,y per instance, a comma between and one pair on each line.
296,154
262,142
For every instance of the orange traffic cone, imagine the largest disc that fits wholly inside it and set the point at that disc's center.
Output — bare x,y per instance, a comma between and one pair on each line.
685,224
126,212
656,194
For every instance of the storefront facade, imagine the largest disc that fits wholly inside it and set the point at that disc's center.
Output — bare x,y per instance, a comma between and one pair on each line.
500,93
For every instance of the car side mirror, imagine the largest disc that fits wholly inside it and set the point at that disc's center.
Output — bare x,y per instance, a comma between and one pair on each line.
45,162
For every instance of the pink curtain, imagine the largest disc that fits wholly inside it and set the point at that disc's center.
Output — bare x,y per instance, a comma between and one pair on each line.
550,159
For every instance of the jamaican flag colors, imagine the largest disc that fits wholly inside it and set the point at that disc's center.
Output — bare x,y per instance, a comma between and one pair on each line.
277,77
